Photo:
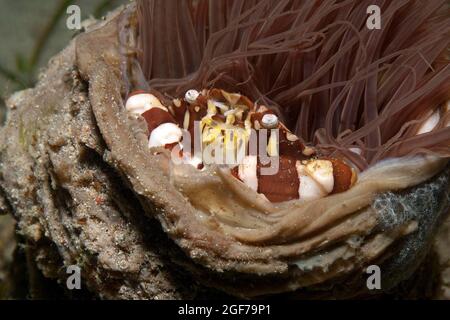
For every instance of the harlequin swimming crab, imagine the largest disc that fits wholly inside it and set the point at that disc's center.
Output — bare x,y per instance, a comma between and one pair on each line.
226,121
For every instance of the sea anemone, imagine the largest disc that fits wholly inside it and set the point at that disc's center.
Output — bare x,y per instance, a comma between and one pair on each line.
372,104
333,80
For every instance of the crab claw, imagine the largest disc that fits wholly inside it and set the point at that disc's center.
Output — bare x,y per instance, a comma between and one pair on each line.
166,133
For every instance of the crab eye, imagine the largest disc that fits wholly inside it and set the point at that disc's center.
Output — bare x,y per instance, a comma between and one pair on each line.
191,96
269,121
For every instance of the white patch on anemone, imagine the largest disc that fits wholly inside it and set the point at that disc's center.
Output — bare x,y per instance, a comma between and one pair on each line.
247,172
430,123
